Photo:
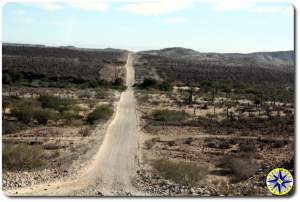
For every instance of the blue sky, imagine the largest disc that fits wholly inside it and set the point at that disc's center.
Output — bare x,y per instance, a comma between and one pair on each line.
206,26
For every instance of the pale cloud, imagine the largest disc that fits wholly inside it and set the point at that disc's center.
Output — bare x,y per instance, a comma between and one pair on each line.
230,5
57,23
161,7
50,6
285,11
24,20
156,7
91,5
20,12
174,20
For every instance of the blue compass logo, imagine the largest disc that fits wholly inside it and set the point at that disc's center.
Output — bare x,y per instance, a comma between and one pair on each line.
279,181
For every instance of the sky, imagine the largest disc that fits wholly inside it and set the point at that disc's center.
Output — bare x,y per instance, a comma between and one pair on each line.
206,26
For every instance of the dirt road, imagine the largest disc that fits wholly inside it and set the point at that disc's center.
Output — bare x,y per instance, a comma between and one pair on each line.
114,165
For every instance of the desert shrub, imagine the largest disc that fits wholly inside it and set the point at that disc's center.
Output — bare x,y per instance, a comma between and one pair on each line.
101,93
154,84
148,83
22,156
184,173
85,131
85,93
278,143
101,112
247,147
56,103
70,115
252,91
10,127
169,116
165,86
43,115
188,140
150,143
118,82
241,168
212,145
218,143
171,143
224,144
23,112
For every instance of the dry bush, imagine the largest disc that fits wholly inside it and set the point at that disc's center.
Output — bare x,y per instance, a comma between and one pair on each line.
85,131
52,145
10,127
56,103
170,116
218,143
43,115
241,168
184,173
247,147
102,112
22,156
150,143
23,112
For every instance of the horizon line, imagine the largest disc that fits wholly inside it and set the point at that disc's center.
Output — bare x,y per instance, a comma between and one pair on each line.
142,50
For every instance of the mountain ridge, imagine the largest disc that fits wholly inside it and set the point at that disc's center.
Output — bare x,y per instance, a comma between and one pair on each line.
273,58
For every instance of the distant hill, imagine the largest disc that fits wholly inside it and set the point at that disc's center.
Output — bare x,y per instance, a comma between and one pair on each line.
278,58
186,66
65,62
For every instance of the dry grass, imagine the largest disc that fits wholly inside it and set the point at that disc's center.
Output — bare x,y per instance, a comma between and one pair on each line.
22,156
241,168
184,173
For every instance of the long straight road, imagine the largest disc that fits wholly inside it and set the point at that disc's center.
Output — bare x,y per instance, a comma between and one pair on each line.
114,165
117,156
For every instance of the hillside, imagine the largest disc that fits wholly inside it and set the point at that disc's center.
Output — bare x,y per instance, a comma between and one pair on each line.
66,62
185,66
278,59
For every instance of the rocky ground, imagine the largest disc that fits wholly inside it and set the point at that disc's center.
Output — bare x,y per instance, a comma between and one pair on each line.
67,149
149,181
160,140
153,184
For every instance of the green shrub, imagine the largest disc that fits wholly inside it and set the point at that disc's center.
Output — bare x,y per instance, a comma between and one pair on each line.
252,91
43,115
10,127
101,112
22,156
70,115
184,173
148,83
23,112
154,84
165,86
56,103
118,82
170,116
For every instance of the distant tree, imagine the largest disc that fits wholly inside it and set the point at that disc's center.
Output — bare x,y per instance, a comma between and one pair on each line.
165,86
118,82
148,83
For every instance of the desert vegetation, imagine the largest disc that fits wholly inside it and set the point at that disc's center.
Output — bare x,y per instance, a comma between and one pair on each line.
53,112
184,173
237,121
